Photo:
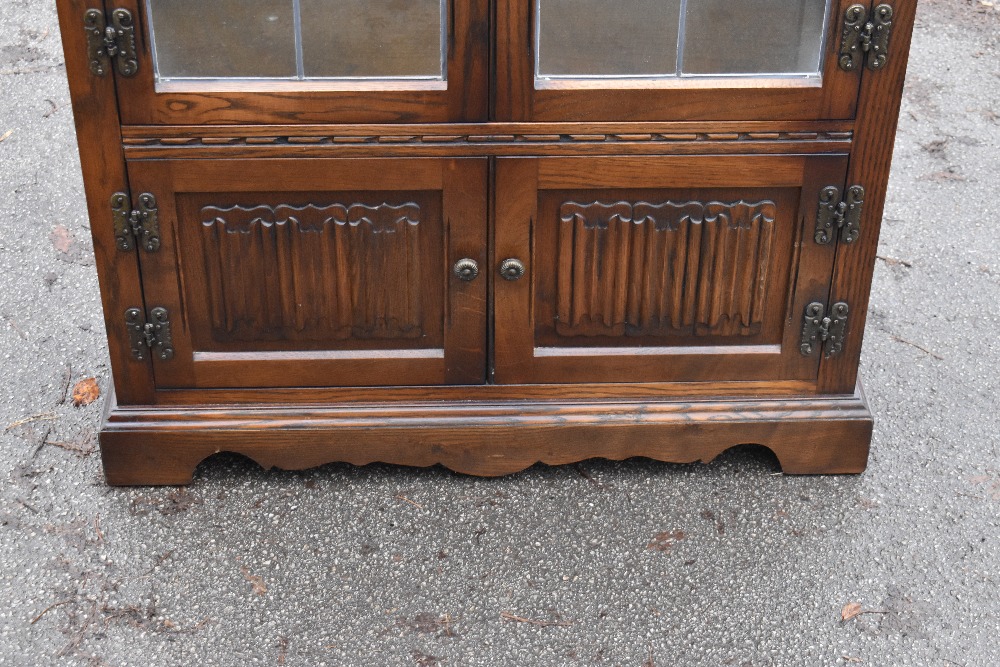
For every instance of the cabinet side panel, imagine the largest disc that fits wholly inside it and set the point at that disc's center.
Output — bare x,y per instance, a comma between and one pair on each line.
875,133
98,133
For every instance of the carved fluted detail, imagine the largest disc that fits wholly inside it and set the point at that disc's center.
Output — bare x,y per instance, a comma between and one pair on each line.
670,268
313,272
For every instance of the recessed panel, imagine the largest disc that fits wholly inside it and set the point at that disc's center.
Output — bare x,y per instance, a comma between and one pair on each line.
332,271
663,268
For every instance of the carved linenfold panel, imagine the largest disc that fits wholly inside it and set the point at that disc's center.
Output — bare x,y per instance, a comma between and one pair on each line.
673,268
313,272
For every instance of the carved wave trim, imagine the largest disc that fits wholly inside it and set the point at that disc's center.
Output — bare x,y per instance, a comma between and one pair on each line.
477,139
313,272
671,268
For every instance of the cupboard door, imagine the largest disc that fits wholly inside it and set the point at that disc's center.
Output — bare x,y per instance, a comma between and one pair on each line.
672,60
307,61
317,272
659,269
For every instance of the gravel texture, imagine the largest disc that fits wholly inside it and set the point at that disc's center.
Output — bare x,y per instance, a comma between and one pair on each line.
633,563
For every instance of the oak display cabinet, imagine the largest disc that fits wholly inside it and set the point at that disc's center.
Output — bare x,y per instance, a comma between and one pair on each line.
484,233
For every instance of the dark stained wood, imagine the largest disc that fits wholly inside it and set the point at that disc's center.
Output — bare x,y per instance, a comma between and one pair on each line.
669,268
99,137
633,268
309,230
599,391
295,274
317,272
463,98
878,115
520,97
808,435
450,140
728,131
417,147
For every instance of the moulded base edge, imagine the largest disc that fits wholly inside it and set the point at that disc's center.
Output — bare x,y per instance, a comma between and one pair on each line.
151,445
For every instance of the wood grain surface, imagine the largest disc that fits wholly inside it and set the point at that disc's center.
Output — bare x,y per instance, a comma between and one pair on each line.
808,435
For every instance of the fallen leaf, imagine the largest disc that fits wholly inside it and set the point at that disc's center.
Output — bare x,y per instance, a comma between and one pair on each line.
85,392
665,541
850,610
5,136
62,239
256,582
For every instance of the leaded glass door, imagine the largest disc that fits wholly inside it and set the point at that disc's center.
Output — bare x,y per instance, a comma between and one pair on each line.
307,61
707,60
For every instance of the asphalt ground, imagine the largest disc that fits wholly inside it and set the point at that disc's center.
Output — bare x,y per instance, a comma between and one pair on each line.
633,563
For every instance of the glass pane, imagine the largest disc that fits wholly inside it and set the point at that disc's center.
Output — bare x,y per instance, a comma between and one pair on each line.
223,38
372,38
753,36
607,37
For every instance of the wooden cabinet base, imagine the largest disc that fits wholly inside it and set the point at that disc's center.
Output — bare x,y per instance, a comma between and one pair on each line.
809,435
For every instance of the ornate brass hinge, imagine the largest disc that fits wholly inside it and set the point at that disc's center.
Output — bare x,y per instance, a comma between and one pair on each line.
114,43
820,329
153,334
865,38
839,215
142,223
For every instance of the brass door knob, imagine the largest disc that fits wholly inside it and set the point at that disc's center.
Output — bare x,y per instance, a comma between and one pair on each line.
466,269
512,269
